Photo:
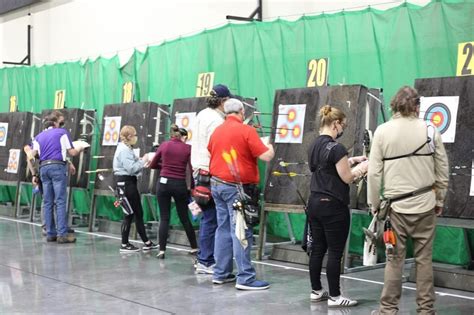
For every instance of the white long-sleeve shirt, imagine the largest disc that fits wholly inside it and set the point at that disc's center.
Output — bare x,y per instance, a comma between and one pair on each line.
205,123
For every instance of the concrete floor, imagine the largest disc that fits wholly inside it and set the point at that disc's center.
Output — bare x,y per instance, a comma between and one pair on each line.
92,277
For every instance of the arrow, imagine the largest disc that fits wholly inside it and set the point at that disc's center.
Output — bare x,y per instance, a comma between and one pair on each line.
99,170
289,174
285,164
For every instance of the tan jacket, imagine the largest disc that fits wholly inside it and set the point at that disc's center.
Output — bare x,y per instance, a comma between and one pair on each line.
403,135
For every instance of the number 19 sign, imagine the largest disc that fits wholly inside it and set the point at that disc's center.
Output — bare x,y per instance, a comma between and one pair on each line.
204,84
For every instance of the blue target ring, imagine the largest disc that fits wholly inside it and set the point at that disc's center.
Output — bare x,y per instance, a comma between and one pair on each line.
439,115
3,134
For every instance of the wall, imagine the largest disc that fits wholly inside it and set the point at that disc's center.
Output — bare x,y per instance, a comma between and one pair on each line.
73,29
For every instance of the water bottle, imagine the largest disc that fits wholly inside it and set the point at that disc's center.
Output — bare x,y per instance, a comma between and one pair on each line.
194,208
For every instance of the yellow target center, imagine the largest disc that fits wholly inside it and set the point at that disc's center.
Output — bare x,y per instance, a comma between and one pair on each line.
185,122
436,119
296,131
112,124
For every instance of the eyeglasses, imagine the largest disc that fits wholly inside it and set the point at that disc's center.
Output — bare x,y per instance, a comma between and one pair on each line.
343,125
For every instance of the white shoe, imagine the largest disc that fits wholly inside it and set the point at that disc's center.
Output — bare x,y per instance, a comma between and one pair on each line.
200,268
320,295
340,301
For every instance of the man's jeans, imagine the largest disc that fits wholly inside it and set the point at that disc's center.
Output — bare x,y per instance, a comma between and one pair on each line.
54,178
227,245
207,233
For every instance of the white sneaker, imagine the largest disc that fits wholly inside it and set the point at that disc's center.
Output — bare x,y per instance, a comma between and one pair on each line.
320,295
340,301
200,268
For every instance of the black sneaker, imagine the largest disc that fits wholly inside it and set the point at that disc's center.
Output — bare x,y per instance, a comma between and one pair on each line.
129,248
150,246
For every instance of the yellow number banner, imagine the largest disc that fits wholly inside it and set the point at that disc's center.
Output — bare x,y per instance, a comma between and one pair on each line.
13,104
59,98
127,92
317,72
204,85
465,59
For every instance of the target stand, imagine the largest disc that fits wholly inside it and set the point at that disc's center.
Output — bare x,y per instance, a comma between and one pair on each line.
287,182
151,121
16,130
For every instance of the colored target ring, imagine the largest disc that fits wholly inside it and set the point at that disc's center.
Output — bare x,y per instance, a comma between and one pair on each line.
283,131
113,124
115,136
107,136
439,115
296,131
185,121
291,115
2,134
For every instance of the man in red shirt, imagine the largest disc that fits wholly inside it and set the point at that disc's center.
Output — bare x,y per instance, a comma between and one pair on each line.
240,143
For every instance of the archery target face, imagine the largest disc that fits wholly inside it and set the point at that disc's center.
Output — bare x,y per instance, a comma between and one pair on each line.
3,134
290,123
111,130
442,112
186,121
13,161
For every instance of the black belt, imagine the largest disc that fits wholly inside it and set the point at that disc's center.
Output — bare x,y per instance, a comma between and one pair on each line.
125,178
411,194
48,162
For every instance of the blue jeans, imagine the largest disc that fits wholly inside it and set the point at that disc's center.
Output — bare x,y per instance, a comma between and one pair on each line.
227,245
54,178
207,233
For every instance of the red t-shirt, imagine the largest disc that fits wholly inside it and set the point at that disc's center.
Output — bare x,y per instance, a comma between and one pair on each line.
232,134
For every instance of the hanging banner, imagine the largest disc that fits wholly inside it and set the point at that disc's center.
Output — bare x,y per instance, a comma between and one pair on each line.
13,161
290,123
111,130
465,64
186,121
3,134
317,72
204,85
441,111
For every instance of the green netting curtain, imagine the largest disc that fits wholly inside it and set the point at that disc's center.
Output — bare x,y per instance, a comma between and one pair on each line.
385,49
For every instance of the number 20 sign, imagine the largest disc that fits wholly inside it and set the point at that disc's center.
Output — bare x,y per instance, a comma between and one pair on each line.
317,72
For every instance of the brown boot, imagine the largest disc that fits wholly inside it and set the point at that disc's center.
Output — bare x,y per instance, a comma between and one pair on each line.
70,238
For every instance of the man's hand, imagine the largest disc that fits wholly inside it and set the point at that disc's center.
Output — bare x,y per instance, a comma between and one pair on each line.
35,180
438,210
373,211
72,168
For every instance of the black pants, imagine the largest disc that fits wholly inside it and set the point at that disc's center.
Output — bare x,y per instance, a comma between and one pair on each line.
133,196
177,189
330,221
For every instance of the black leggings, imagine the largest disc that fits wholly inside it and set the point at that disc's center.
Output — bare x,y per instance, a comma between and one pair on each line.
330,221
133,196
177,189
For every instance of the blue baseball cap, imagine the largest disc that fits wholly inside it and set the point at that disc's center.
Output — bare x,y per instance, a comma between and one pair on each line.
221,91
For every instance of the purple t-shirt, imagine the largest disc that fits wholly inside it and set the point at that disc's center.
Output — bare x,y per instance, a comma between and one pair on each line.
52,144
172,157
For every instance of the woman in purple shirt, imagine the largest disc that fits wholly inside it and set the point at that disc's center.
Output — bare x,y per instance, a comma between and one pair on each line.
173,158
